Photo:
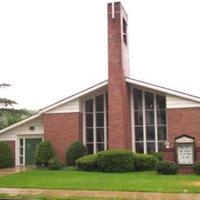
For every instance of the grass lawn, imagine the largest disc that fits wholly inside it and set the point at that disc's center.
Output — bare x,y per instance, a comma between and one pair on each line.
78,180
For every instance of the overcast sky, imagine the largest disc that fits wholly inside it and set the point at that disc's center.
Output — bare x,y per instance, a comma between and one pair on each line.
50,49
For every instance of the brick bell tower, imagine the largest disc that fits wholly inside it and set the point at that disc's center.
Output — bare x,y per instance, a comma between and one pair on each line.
119,134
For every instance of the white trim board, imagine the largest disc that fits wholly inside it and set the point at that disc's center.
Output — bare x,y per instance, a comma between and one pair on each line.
163,89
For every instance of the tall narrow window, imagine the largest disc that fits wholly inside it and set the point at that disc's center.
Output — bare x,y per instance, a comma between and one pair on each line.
124,31
149,121
96,123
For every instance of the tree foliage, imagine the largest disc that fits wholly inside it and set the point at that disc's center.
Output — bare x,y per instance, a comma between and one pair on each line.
8,114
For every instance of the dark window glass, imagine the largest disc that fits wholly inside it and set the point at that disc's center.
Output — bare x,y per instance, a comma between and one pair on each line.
100,147
89,120
139,147
137,99
162,133
150,147
139,133
21,151
90,148
150,117
100,134
89,105
99,103
161,146
149,101
89,135
161,102
150,133
125,31
138,118
21,142
99,119
161,117
21,160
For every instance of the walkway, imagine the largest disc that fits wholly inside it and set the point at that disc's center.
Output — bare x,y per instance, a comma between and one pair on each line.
100,194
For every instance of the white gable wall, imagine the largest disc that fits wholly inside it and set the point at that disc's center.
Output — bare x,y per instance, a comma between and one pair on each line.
69,107
179,102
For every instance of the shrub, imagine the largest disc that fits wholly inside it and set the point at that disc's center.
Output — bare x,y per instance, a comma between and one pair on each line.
143,162
43,153
75,151
115,161
5,155
196,167
87,163
54,164
158,155
166,167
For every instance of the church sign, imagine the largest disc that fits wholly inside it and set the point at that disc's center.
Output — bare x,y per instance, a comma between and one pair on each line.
185,150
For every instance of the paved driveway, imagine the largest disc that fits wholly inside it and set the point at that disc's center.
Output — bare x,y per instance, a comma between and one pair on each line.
13,170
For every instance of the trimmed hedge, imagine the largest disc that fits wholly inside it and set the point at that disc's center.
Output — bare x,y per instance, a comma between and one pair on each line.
5,155
87,163
158,155
143,162
74,152
196,167
115,161
44,153
166,167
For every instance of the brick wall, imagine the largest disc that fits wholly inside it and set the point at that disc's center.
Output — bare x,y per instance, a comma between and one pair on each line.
183,121
118,94
61,130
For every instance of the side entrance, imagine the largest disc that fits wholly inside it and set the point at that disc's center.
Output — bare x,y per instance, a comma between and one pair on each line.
30,147
27,147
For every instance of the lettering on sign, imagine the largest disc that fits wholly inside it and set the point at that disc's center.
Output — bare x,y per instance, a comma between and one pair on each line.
185,154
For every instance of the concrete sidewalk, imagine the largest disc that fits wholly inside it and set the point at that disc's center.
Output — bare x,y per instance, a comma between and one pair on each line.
100,194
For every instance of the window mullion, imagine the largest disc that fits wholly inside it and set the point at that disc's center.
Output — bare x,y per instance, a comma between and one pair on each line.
94,126
144,122
155,124
105,120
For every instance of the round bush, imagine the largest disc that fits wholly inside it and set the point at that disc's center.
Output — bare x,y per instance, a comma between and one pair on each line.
196,167
115,161
5,155
87,163
75,151
54,164
166,167
43,153
143,162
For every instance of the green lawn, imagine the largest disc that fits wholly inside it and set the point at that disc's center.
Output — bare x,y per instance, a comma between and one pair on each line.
78,180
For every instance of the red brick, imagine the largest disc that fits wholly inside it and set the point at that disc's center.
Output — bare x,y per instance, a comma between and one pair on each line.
62,130
118,93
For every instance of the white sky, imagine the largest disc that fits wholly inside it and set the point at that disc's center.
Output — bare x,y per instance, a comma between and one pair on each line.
50,49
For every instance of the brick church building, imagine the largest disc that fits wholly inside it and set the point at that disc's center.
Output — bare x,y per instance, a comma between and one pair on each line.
119,113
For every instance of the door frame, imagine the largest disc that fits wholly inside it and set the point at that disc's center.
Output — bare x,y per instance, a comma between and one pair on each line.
18,155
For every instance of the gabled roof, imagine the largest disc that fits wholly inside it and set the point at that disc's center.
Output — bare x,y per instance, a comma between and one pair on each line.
97,86
54,105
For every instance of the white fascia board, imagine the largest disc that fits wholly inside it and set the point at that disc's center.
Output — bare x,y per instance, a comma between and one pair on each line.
163,89
20,123
41,111
82,93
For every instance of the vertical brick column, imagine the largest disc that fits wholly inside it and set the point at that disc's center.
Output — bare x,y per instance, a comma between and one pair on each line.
118,93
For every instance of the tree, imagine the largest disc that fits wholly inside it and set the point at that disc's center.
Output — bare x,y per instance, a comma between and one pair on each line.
8,114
